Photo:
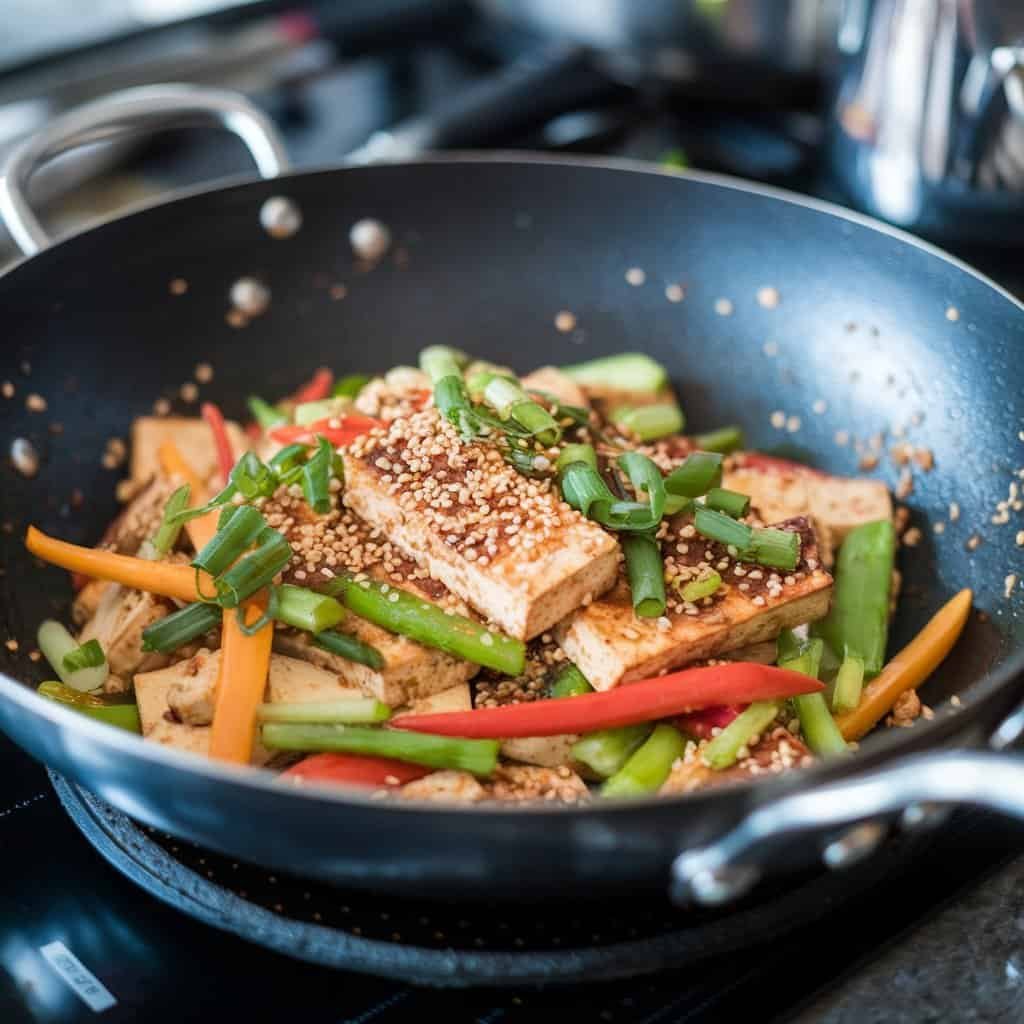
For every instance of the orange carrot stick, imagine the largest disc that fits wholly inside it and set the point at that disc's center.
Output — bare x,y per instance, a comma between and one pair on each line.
165,578
173,463
241,680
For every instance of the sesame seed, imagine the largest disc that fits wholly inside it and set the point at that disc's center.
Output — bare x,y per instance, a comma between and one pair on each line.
770,349
674,293
939,527
189,392
912,537
954,511
565,321
793,424
204,373
842,438
1020,538
7,389
1008,584
778,419
635,276
35,403
955,701
724,307
178,286
952,314
820,406
973,542
768,297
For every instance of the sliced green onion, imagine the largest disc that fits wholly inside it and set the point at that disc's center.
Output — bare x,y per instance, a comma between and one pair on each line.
316,478
479,757
265,414
290,457
264,619
352,711
816,723
181,627
350,386
236,531
569,681
779,549
676,503
585,490
349,647
306,609
409,615
697,590
732,503
440,361
443,365
507,398
849,684
646,574
121,714
722,751
724,440
649,765
479,375
646,478
321,409
696,476
718,526
254,572
576,453
167,533
628,371
252,478
649,422
88,655
57,644
606,751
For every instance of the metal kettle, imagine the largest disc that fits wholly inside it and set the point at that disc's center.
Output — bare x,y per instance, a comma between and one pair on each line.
927,127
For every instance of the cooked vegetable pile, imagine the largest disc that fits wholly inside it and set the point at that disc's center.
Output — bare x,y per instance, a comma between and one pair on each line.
453,582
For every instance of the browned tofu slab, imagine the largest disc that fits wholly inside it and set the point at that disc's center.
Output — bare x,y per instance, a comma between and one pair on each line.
341,541
611,645
835,504
780,751
192,437
505,544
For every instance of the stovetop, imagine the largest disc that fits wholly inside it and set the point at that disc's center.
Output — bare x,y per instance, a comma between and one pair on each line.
940,939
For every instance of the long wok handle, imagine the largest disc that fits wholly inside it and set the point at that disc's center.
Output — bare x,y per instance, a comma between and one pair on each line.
849,818
146,109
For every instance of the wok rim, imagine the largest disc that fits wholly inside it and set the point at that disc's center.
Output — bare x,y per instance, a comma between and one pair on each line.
881,747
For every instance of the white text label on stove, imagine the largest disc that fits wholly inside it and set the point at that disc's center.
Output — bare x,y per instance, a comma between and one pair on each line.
86,985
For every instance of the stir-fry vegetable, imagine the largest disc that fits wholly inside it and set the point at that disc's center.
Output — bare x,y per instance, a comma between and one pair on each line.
477,756
349,647
648,767
645,701
732,503
725,440
402,612
181,627
350,386
318,386
355,770
338,430
646,574
858,622
351,711
649,422
200,528
506,397
849,684
265,414
169,529
604,752
700,724
569,681
82,668
722,751
816,722
241,680
444,366
630,371
698,474
909,667
119,713
221,442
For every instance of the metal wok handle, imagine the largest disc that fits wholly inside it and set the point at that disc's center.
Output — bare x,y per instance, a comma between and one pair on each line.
149,108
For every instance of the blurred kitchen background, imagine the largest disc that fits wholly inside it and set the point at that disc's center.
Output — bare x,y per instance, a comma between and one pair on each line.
912,110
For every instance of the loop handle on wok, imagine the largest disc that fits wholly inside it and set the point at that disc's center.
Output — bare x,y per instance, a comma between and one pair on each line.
146,109
918,788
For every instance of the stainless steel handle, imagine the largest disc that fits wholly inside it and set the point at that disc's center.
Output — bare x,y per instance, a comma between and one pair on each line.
149,108
730,867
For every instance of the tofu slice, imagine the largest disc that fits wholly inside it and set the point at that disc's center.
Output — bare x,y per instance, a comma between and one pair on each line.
505,544
778,752
780,490
543,751
611,645
159,725
551,380
121,616
190,434
458,698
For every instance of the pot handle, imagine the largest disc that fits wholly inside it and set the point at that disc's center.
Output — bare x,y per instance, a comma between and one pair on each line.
145,109
854,815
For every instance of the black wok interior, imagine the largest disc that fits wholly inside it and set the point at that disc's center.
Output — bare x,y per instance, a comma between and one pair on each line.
495,249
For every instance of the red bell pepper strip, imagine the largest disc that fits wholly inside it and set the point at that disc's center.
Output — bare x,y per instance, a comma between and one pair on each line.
700,723
356,770
645,701
339,430
773,464
225,454
317,387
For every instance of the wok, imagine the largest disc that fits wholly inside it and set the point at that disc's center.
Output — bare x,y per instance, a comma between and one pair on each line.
497,245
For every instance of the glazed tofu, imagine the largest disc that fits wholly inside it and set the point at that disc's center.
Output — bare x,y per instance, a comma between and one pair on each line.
458,698
835,504
611,645
159,724
341,541
543,751
121,616
773,754
551,381
505,544
190,435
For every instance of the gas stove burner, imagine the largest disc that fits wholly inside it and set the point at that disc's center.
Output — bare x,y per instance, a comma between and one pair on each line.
442,945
